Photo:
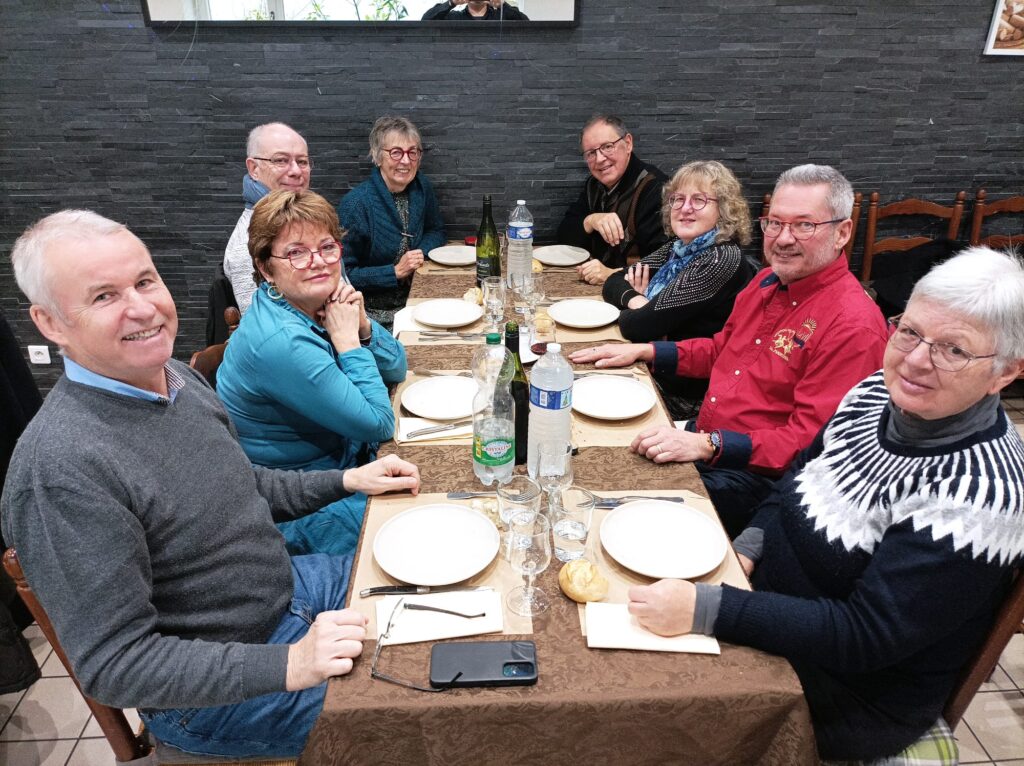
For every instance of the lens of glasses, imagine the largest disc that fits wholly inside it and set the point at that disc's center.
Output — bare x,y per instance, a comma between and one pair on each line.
697,201
396,154
302,257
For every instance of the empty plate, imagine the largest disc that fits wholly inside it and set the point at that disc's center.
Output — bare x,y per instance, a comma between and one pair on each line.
445,397
560,255
453,255
663,540
435,544
583,313
447,312
611,397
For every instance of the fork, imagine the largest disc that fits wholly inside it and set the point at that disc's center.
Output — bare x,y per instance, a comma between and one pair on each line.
435,374
611,502
621,374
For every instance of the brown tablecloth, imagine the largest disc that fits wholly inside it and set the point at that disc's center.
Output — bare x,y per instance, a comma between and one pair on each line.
452,284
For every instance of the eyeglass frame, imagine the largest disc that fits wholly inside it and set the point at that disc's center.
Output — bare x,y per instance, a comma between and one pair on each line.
280,163
607,149
320,252
894,323
764,219
692,198
404,153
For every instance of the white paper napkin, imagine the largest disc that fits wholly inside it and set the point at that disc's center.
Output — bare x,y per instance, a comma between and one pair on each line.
611,626
406,425
411,627
404,322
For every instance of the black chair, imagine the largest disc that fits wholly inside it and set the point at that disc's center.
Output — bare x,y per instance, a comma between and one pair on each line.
221,297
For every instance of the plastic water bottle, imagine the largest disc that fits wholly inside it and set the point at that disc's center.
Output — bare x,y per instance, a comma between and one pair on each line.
550,403
494,440
520,242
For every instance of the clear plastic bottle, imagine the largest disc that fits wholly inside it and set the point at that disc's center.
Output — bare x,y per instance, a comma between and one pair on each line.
520,241
494,431
550,403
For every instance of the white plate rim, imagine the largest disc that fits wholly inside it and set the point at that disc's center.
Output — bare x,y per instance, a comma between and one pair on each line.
643,563
599,380
465,259
436,380
477,312
479,563
553,311
539,252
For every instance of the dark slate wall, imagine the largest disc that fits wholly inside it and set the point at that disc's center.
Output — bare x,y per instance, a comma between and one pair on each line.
148,126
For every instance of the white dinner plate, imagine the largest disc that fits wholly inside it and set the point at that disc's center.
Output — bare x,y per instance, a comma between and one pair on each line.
583,313
560,255
453,255
663,540
611,397
447,312
435,544
444,397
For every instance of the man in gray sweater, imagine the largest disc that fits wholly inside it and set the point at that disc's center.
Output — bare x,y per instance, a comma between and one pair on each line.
144,530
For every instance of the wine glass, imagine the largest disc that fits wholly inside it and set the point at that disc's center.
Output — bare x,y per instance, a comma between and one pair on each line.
554,470
529,543
494,301
533,294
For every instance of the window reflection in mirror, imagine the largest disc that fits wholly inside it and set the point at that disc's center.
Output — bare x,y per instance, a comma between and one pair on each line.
314,11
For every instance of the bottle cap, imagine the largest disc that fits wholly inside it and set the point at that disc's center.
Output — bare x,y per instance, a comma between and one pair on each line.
520,202
471,240
556,347
493,338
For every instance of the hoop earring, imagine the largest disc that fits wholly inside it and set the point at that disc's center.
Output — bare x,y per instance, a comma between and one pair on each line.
273,293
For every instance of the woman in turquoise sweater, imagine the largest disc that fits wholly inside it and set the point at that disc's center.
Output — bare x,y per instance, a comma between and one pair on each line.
392,219
305,375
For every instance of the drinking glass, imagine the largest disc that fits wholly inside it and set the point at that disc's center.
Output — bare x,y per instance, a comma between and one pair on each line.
529,555
520,494
554,470
570,523
542,333
533,293
494,301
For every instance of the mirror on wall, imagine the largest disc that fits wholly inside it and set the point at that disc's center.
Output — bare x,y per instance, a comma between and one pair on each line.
558,12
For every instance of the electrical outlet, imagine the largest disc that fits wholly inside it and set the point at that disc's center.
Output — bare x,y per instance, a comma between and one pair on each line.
39,354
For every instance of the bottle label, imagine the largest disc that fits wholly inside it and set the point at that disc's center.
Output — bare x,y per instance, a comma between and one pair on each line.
551,400
493,452
520,232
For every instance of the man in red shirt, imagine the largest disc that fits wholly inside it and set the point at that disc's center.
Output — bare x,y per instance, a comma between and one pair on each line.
800,335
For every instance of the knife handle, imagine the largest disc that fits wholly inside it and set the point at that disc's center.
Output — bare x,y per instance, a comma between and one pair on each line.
385,590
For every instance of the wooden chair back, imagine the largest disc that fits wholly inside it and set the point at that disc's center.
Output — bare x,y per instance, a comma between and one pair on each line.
858,201
208,359
1007,622
126,744
872,247
983,209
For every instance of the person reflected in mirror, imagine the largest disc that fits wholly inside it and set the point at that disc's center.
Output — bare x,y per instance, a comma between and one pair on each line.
686,288
276,158
393,219
880,560
305,375
799,336
475,10
617,217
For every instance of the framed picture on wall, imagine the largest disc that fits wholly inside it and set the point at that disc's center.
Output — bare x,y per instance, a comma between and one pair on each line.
1006,32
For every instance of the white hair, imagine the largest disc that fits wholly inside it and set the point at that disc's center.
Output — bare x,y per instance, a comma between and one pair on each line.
252,145
28,255
840,192
986,286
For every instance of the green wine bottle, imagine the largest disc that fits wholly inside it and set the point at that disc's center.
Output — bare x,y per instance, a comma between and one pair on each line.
488,252
520,388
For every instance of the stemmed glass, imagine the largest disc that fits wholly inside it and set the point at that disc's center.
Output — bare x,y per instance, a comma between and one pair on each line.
529,542
554,471
533,294
494,301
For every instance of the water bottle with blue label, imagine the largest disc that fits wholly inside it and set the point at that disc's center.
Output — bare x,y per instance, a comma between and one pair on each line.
550,403
520,242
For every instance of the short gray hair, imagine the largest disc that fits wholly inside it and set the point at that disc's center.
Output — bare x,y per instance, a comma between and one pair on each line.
987,286
615,123
840,192
252,145
28,255
390,124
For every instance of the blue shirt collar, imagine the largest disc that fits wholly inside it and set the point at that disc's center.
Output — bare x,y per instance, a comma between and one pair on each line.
80,374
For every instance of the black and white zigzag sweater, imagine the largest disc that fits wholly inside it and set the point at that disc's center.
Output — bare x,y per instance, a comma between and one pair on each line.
882,569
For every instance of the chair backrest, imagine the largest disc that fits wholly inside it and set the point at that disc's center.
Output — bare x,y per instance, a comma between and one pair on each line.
983,209
951,214
125,743
208,359
858,201
221,297
1007,622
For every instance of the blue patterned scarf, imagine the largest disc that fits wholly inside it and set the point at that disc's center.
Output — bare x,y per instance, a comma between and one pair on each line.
252,191
682,254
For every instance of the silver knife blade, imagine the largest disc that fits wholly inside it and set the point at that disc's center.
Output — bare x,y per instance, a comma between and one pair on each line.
615,502
416,590
438,429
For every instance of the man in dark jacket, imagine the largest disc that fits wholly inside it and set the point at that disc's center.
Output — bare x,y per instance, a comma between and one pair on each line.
475,10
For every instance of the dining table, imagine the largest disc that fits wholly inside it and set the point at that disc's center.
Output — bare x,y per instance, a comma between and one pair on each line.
589,705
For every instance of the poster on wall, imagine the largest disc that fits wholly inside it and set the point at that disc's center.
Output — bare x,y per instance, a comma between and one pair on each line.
1006,33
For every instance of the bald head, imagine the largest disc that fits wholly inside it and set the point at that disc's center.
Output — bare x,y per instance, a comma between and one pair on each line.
278,157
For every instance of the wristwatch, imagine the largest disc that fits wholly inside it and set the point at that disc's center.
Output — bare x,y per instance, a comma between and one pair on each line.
715,442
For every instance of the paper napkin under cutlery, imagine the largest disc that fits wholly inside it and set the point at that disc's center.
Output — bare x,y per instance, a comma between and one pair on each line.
410,627
404,322
611,626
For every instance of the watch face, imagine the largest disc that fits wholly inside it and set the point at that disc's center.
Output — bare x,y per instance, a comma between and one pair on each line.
716,440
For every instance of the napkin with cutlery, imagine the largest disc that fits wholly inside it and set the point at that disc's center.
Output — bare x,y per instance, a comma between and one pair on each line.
611,626
408,425
410,627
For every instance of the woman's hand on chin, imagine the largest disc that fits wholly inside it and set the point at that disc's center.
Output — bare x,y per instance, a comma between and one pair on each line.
341,320
348,294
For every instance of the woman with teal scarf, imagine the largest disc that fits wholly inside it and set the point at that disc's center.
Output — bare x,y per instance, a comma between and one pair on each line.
686,288
305,375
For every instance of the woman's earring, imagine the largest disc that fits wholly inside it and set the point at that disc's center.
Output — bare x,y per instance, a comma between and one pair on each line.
273,292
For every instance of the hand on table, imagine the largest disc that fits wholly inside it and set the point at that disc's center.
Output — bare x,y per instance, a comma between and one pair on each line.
614,354
388,474
666,444
608,225
328,649
593,272
342,321
665,607
408,263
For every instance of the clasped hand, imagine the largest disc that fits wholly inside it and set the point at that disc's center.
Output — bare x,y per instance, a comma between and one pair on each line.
669,444
344,317
328,649
408,263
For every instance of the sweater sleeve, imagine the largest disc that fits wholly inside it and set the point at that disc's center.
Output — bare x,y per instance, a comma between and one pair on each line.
570,230
358,246
388,353
650,231
294,494
238,263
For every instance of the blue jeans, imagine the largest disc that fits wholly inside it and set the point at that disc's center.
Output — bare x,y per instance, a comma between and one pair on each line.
273,725
333,530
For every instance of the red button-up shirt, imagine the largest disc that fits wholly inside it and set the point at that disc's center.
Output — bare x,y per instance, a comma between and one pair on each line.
785,358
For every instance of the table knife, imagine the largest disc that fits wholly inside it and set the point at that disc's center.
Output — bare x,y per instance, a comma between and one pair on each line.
438,429
416,590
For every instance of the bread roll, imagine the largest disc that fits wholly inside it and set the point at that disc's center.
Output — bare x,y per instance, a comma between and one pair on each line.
581,581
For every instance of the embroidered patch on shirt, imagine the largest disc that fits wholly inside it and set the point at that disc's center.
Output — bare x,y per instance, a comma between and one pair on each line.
784,340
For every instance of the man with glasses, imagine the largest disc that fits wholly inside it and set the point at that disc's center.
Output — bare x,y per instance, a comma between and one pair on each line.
617,217
800,335
276,158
